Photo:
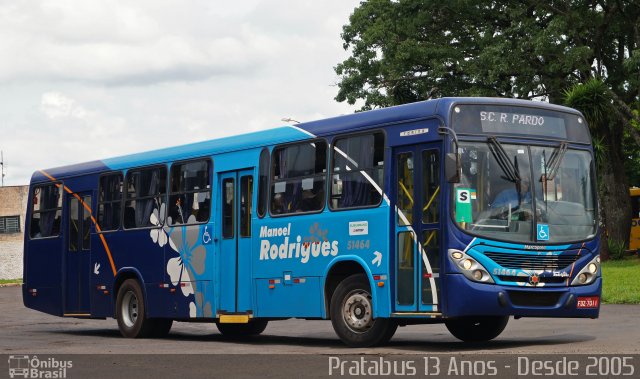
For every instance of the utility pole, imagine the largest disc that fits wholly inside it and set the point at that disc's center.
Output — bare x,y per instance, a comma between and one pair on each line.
2,166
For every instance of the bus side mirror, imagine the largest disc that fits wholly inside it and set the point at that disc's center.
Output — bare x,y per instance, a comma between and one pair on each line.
452,169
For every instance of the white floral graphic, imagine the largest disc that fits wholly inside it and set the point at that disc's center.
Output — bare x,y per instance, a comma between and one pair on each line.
184,270
180,275
158,235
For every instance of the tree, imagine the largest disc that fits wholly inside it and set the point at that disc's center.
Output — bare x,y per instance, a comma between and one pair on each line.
409,50
597,103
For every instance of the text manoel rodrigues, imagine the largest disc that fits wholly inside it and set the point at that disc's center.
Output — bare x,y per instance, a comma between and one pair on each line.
298,249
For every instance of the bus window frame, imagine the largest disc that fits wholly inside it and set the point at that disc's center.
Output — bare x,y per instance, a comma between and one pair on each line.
267,194
272,173
98,202
331,161
60,185
125,191
169,192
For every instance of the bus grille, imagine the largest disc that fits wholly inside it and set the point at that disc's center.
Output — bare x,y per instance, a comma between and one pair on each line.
534,299
533,262
525,279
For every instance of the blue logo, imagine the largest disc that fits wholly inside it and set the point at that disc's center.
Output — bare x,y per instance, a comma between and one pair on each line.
543,232
206,237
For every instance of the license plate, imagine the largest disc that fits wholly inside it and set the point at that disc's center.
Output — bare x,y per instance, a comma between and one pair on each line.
588,302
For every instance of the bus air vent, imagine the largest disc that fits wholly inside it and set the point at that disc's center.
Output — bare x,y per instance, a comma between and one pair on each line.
534,299
525,279
533,262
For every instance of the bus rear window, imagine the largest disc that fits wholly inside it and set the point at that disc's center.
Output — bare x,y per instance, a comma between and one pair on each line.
46,211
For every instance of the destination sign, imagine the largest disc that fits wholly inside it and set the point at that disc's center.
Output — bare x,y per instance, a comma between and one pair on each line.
514,120
520,123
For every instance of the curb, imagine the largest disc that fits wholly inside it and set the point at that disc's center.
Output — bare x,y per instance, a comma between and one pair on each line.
10,285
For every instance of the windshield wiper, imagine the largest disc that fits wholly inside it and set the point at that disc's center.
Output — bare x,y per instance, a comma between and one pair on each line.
510,170
554,162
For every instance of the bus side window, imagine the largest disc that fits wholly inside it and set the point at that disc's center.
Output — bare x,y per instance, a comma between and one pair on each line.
430,186
110,201
298,180
146,192
46,211
190,199
228,207
246,203
635,206
263,182
357,172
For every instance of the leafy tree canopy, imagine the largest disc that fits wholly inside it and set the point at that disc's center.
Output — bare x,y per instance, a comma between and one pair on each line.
409,50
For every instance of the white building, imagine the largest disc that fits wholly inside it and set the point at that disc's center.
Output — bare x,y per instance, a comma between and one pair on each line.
13,207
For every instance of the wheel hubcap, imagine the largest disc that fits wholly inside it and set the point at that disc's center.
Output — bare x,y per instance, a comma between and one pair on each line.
129,309
356,311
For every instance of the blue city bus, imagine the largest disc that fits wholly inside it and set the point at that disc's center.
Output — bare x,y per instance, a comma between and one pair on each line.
464,211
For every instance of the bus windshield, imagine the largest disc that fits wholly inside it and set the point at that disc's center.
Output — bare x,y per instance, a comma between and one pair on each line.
528,194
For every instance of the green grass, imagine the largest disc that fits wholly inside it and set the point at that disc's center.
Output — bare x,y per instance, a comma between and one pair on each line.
10,281
621,281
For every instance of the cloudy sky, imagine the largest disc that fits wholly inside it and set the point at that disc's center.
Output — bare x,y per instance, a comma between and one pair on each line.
89,79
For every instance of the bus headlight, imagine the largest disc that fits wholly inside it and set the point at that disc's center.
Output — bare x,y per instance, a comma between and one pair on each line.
469,267
588,274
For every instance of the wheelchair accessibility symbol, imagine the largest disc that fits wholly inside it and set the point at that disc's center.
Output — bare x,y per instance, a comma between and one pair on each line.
206,237
543,232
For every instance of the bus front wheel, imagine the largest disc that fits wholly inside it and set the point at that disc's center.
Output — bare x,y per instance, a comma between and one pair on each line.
477,328
351,312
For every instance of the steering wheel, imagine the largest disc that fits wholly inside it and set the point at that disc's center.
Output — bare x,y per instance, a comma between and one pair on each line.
522,214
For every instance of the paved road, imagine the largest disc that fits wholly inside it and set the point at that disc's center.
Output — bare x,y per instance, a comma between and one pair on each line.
29,332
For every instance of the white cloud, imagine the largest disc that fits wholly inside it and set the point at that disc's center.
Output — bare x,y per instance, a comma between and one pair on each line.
84,80
55,104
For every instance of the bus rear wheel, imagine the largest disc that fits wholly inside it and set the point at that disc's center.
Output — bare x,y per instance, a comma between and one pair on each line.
252,328
351,312
477,328
131,312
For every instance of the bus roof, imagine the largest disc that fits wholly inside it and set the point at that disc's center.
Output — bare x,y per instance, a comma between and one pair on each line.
289,133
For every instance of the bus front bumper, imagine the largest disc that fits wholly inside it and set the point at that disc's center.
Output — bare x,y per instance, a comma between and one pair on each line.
478,299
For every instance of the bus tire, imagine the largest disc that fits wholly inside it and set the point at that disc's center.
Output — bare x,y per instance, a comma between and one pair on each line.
351,313
131,312
477,328
161,327
252,328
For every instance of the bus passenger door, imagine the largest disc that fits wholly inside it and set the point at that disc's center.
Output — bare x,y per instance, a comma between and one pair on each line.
236,209
77,254
417,228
